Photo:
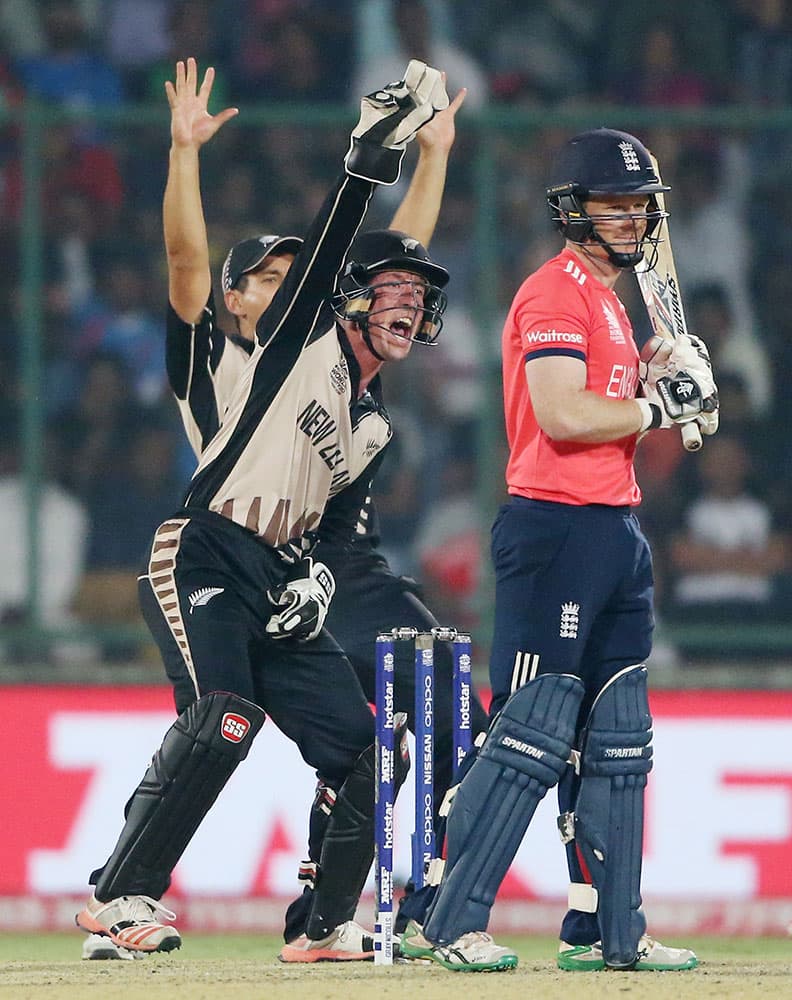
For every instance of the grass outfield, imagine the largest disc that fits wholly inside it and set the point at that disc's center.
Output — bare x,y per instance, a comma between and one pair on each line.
219,967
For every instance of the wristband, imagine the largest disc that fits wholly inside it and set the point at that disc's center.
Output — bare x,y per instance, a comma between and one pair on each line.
651,416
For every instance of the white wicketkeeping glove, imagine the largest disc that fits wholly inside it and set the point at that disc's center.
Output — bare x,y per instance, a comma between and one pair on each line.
301,602
389,119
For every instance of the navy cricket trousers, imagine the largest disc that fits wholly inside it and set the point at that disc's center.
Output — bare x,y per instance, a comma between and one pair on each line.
573,594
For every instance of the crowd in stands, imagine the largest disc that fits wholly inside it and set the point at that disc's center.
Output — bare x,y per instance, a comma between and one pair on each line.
114,460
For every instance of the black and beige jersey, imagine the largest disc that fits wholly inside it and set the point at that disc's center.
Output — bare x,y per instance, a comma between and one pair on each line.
293,433
203,365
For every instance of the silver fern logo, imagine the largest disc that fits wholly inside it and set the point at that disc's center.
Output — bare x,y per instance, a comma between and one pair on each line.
203,596
570,619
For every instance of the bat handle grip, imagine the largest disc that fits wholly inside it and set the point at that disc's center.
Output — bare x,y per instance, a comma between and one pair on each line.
691,436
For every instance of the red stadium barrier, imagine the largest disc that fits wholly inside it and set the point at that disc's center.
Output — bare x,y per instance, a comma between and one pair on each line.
718,833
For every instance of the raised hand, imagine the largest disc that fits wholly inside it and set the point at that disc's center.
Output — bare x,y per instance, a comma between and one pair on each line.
191,123
439,133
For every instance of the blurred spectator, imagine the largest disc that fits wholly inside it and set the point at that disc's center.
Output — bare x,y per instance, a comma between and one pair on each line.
415,38
701,29
733,351
447,544
21,32
138,498
661,72
75,164
143,492
726,561
399,487
136,35
61,532
291,50
712,239
539,51
763,53
68,71
120,322
92,434
192,30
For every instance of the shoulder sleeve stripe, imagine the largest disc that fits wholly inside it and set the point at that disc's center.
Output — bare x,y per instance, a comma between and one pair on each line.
555,352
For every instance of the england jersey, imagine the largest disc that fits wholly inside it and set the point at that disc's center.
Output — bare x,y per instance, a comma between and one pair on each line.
563,310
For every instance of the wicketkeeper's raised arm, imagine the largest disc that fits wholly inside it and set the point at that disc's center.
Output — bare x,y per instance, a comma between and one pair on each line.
418,212
389,119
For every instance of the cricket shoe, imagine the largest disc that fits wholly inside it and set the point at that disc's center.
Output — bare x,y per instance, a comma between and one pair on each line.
652,957
131,922
349,942
97,947
473,952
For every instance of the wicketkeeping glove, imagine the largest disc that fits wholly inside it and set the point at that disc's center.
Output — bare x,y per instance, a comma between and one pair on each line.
301,602
389,119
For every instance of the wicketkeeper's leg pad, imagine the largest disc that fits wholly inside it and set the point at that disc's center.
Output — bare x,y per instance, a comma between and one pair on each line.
348,843
199,754
524,754
616,756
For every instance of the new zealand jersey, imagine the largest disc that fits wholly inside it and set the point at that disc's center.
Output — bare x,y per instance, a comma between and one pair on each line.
563,310
289,438
203,366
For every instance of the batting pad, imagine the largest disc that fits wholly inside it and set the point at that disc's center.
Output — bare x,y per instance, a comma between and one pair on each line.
524,754
348,844
616,756
197,757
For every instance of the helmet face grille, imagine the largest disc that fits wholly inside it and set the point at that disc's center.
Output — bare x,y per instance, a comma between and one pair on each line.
390,250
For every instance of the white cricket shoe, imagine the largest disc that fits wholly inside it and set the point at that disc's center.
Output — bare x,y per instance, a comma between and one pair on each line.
652,957
97,947
131,922
473,952
349,942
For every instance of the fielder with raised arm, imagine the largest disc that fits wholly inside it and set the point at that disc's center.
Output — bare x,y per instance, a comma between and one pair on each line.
236,566
574,590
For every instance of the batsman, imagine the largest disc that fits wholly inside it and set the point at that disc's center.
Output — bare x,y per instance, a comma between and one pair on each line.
574,587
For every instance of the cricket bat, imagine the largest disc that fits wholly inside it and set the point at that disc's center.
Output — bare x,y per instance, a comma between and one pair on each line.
660,291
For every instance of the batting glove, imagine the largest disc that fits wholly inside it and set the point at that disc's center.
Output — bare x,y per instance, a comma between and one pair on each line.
708,422
389,119
672,400
690,354
301,602
655,356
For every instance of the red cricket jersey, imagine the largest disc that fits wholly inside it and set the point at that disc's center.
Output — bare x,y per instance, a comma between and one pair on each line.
562,309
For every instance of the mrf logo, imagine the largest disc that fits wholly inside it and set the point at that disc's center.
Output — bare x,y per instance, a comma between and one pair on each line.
234,728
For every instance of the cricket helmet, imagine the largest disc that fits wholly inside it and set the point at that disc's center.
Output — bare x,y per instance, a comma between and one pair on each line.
390,250
597,163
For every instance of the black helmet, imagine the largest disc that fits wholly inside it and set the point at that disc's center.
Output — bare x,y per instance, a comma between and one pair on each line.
389,250
599,162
